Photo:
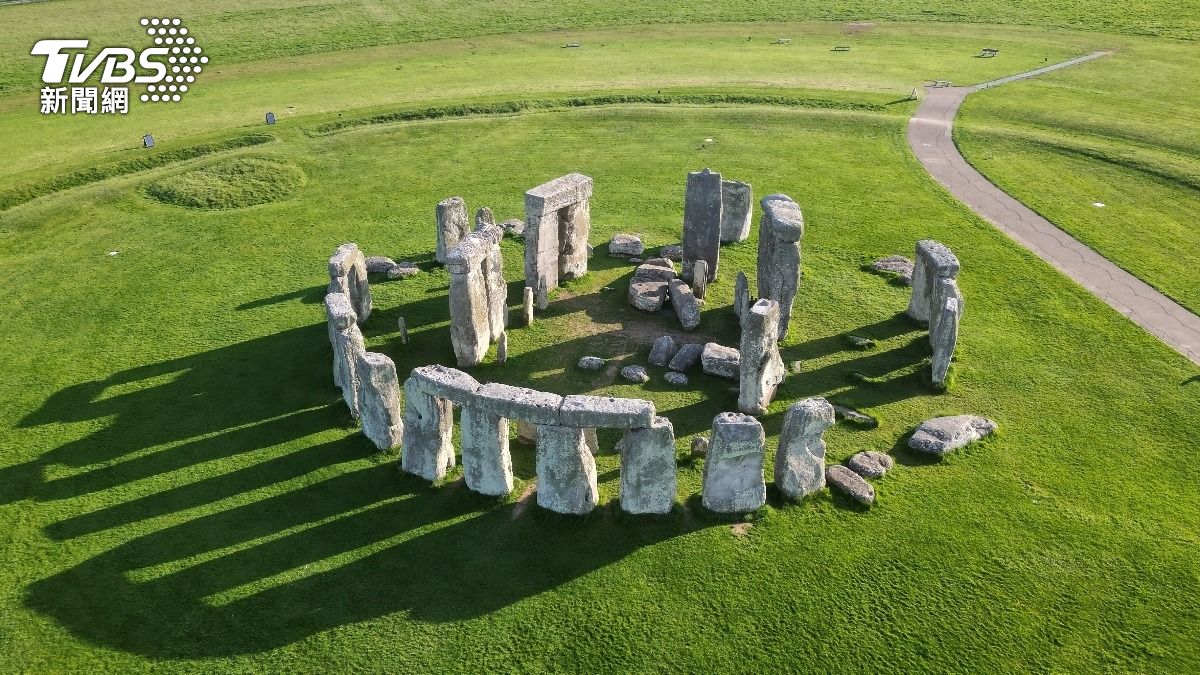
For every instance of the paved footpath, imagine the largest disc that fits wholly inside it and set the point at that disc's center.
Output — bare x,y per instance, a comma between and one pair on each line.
929,135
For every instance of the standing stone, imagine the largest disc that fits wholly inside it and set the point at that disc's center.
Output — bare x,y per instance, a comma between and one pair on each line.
931,262
502,348
779,237
497,289
663,351
700,278
484,218
736,205
402,326
566,471
733,467
702,222
720,361
648,468
741,294
487,464
348,275
800,460
592,441
379,400
527,306
944,340
470,313
557,224
943,288
761,369
699,446
347,342
451,226
684,302
428,423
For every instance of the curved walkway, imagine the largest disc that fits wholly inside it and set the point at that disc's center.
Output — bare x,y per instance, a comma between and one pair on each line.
929,135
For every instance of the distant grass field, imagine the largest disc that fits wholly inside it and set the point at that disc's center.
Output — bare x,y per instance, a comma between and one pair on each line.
182,488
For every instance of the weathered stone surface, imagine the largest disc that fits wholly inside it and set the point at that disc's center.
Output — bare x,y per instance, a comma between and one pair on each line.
444,382
898,265
860,342
870,464
655,269
347,342
736,204
519,403
855,417
502,348
761,368
497,288
662,351
566,471
700,279
527,306
699,446
526,433
403,270
402,327
635,374
800,460
378,264
733,467
685,304
451,226
671,252
557,224
626,244
470,311
348,275
635,261
932,261
648,296
944,339
484,218
943,289
941,435
850,484
487,464
591,363
648,468
428,423
721,361
605,411
675,378
702,222
779,237
741,294
379,400
514,226
686,358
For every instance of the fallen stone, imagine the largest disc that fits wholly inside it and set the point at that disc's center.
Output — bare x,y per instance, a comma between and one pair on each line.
850,484
733,467
702,222
897,265
648,296
855,417
662,351
720,361
941,435
699,446
686,358
761,368
779,236
626,245
378,264
870,464
671,252
635,374
736,205
591,363
800,459
661,262
686,306
519,403
860,342
653,270
605,411
513,226
566,471
487,464
677,379
379,400
648,468
403,270
451,226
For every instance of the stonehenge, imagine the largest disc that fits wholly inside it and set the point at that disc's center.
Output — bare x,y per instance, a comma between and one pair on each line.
733,466
557,224
451,226
648,287
648,468
800,459
932,261
779,235
736,210
347,342
379,400
702,222
478,302
944,338
348,275
761,369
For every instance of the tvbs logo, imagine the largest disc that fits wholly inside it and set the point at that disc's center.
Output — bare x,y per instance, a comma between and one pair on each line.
167,69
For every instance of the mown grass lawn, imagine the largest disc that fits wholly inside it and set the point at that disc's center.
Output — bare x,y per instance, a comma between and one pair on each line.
183,488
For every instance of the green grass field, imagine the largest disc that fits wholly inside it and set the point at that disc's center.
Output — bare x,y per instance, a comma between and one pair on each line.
184,490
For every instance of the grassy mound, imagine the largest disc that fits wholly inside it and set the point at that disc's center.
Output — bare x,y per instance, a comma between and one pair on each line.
231,184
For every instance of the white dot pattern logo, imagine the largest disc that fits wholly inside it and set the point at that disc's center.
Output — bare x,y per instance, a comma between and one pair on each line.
184,61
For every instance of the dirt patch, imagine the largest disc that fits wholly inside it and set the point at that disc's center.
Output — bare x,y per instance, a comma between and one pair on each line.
524,500
741,529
